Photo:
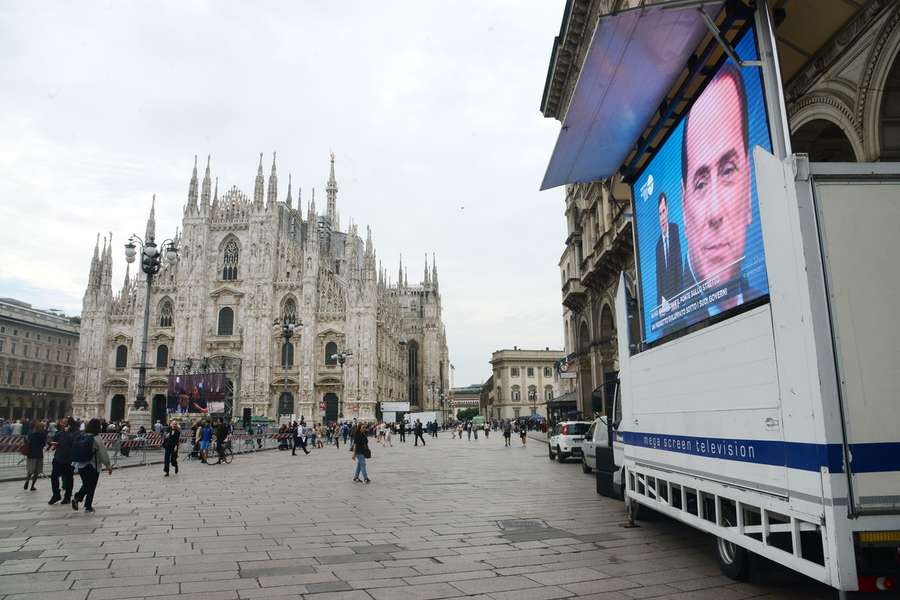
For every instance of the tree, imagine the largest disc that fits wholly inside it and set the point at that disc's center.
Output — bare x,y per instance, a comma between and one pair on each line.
464,414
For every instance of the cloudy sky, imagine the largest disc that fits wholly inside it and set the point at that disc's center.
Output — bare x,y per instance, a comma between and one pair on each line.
432,109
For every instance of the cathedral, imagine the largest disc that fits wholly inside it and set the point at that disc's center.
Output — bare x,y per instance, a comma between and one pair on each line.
245,267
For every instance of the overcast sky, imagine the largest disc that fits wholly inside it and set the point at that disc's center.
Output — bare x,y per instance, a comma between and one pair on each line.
432,109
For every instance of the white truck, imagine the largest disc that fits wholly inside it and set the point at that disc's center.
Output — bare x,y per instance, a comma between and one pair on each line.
803,467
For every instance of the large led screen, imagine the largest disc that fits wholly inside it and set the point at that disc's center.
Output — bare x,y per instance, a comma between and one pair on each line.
699,243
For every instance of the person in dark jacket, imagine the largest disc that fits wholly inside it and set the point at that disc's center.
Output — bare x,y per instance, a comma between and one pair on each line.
62,463
361,452
170,448
89,470
34,446
418,432
402,430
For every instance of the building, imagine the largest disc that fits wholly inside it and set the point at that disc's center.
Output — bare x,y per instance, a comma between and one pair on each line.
38,350
841,81
465,397
522,382
245,263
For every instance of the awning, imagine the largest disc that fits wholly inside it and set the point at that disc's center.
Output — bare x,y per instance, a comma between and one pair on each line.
634,59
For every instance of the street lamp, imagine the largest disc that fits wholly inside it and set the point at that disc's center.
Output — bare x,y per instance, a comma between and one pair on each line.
341,357
150,265
288,329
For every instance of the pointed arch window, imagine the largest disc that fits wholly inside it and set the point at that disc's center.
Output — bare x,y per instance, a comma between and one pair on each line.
165,314
121,356
226,321
162,356
287,355
230,261
289,311
330,351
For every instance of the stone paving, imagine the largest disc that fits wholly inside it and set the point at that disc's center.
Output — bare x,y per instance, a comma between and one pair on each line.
271,525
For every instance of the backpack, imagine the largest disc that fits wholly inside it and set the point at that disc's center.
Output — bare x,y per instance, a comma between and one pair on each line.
83,448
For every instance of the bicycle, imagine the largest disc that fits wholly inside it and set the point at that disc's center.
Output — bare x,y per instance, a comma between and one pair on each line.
225,456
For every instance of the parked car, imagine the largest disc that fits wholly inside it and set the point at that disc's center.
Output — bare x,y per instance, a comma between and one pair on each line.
566,439
596,436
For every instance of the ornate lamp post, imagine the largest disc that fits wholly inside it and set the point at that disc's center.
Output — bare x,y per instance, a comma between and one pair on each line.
288,329
151,261
341,357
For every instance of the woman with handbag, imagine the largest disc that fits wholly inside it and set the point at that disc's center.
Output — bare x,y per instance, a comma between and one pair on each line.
361,452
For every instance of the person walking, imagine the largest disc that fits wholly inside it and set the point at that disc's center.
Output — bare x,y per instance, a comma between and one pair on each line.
302,434
361,452
295,434
222,434
62,463
206,433
88,453
468,431
418,432
388,433
345,432
523,432
507,433
34,453
170,447
403,431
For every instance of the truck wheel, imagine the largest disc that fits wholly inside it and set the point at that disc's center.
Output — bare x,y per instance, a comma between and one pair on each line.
733,560
584,466
560,457
550,452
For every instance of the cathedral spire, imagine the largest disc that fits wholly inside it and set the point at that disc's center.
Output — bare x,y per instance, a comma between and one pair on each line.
434,278
400,273
151,223
272,197
260,183
127,276
192,189
216,194
331,194
289,201
94,276
204,194
427,279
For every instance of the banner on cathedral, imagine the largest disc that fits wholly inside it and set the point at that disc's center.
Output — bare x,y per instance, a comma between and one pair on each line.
190,393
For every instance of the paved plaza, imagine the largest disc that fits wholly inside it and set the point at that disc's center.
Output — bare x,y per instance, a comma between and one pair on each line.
272,525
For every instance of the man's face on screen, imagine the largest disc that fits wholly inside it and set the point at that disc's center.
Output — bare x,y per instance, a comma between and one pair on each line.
716,191
663,216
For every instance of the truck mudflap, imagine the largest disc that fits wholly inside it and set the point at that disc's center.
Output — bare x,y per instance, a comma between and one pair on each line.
606,470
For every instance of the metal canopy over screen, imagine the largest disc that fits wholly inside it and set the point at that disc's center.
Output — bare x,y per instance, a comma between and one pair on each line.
634,59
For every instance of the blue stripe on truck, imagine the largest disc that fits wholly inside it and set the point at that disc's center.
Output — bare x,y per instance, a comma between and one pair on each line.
867,458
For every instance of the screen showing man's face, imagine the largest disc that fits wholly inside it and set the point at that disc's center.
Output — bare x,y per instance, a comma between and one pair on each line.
663,216
716,192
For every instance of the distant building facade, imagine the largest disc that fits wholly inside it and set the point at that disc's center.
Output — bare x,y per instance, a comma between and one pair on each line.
522,382
841,78
465,397
38,353
243,264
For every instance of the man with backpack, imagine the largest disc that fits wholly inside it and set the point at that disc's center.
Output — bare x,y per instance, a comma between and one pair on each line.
418,431
88,453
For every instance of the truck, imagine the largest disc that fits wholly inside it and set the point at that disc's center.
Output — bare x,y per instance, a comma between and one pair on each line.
778,430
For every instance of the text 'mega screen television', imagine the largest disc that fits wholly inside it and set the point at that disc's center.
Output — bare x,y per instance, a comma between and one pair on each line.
700,249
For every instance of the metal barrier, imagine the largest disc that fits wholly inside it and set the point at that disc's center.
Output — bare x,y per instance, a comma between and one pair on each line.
133,450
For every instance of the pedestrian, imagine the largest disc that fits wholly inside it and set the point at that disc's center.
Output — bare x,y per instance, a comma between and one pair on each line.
222,433
345,432
418,432
302,434
157,427
206,433
388,433
507,432
88,453
487,431
62,463
403,431
468,431
523,433
361,452
34,453
295,434
170,447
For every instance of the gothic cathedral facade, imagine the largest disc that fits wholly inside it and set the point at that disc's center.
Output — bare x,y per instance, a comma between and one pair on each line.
245,266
